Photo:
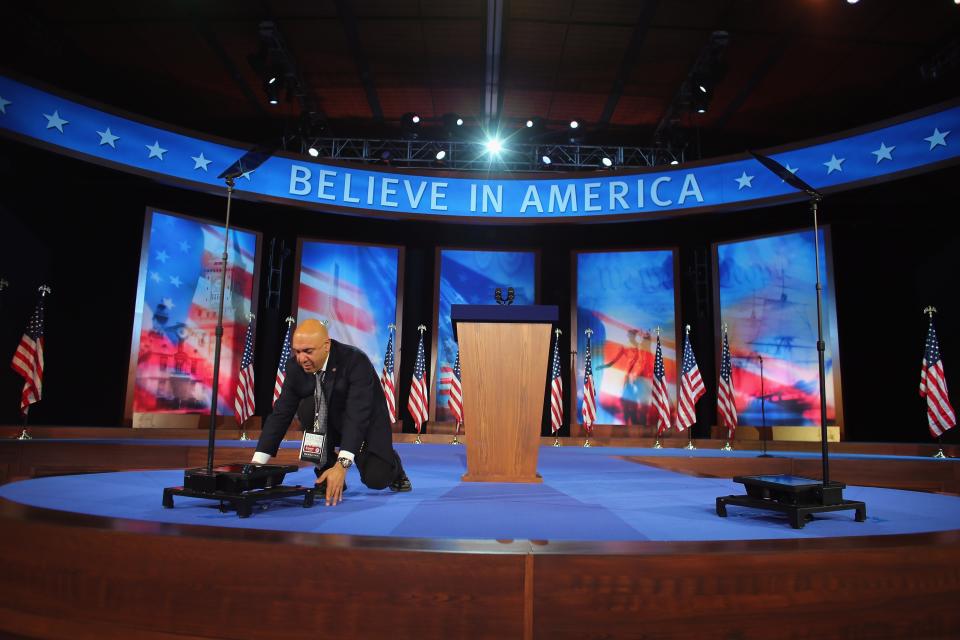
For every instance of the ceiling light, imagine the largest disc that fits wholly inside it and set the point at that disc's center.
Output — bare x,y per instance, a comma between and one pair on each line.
313,151
494,146
574,124
529,124
545,159
607,162
674,162
415,119
459,122
441,154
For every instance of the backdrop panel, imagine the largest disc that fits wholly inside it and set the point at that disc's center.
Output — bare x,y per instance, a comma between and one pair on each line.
176,317
624,296
767,297
354,288
471,277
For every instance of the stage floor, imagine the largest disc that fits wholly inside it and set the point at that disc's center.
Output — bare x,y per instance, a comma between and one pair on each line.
587,495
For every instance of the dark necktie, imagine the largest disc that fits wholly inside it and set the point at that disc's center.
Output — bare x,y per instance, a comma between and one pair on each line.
320,406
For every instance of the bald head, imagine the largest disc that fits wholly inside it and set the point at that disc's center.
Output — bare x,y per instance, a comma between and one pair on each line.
311,345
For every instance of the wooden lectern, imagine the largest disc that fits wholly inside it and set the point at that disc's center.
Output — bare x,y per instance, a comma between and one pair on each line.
503,363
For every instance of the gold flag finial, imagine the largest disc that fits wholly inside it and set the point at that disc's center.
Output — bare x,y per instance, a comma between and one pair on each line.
658,331
422,328
687,328
588,332
930,311
44,290
391,327
557,332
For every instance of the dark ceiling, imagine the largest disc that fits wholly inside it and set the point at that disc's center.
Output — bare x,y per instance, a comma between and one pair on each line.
792,69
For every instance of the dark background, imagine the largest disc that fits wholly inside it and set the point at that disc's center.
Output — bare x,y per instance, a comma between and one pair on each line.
78,228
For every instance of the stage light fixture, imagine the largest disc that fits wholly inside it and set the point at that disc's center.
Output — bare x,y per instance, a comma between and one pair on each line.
459,122
545,159
674,162
607,162
494,146
415,119
273,93
574,124
312,150
529,124
441,154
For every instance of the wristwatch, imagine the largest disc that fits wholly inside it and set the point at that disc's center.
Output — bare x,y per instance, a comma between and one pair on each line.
346,463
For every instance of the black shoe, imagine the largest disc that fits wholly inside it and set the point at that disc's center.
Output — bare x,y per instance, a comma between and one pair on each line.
402,483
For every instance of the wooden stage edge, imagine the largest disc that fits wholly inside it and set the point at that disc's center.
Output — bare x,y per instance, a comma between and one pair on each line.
68,575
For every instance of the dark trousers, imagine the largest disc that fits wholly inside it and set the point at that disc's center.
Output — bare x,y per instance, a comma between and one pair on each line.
375,472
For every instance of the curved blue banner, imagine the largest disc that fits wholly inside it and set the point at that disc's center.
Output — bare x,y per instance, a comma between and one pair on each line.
917,142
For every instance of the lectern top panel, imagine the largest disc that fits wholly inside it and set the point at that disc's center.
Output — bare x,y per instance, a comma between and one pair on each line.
525,313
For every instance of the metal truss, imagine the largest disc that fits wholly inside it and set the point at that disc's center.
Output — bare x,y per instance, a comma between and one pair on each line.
473,156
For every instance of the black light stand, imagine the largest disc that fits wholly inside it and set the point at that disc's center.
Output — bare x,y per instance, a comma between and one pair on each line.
763,413
799,497
240,485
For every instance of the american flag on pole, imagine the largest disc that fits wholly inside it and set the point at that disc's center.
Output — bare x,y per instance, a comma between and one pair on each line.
726,406
284,356
417,403
243,402
933,386
28,359
661,398
691,386
556,388
456,392
589,410
387,379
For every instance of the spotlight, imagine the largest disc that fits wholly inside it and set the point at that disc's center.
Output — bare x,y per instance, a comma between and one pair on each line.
574,124
529,124
607,162
441,154
546,160
674,162
494,146
415,119
452,124
272,93
410,125
312,150
852,1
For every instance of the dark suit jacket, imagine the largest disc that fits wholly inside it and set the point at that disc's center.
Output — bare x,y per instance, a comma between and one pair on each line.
356,409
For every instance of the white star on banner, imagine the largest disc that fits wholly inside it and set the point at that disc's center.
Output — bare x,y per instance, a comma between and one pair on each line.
168,303
175,281
184,246
162,256
883,153
3,105
834,164
199,162
106,137
792,170
155,276
246,174
938,139
156,151
744,181
54,121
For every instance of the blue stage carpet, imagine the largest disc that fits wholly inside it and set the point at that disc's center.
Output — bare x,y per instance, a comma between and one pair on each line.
587,494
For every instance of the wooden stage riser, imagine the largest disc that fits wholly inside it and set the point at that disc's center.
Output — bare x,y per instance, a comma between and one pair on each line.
78,580
19,460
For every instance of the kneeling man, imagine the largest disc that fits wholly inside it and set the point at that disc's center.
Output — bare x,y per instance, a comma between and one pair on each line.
335,387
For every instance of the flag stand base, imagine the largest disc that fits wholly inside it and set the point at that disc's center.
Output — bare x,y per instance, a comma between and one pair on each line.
241,486
556,441
455,440
939,455
243,436
656,444
26,436
690,446
726,447
798,497
418,441
586,443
